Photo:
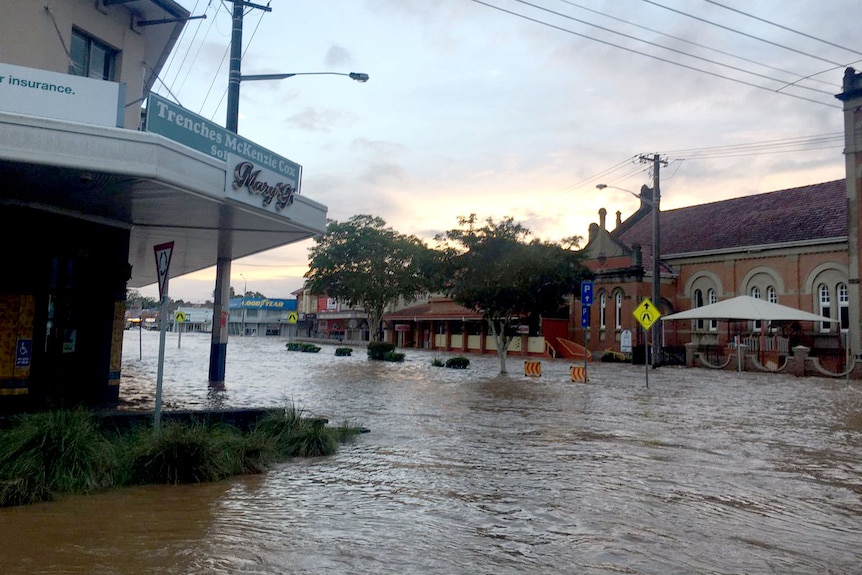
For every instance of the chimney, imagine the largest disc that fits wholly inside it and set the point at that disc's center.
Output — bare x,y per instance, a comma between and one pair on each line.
603,214
619,219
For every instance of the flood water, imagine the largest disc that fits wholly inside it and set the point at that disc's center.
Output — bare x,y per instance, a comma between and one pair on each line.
472,472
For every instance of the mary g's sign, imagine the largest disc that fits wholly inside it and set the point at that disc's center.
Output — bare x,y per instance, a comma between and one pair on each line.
257,186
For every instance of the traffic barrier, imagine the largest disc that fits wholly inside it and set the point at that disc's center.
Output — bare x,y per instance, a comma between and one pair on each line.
532,368
579,374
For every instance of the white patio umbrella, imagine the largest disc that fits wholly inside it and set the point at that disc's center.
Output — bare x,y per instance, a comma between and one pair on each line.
747,308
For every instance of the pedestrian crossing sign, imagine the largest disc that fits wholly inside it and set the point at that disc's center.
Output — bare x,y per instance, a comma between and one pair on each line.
646,313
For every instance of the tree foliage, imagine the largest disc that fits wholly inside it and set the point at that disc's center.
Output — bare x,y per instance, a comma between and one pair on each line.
363,263
497,271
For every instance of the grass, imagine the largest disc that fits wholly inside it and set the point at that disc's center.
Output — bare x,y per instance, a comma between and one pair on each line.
50,454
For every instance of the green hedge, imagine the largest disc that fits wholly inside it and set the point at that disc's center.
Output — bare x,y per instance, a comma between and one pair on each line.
379,349
304,347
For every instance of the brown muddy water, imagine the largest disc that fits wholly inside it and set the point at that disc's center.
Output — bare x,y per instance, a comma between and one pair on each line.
472,472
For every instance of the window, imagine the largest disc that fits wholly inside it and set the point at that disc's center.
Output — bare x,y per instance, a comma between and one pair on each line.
755,293
825,308
843,306
91,58
603,304
698,302
711,298
618,310
771,295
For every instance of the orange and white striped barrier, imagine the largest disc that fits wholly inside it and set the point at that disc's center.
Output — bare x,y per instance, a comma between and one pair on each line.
579,374
533,368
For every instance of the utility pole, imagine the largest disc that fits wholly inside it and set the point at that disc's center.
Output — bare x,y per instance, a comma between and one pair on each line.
656,250
221,304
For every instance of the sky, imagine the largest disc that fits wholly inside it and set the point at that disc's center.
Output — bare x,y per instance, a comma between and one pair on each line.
508,108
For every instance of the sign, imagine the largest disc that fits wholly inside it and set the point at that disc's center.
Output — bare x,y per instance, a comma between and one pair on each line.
61,96
180,316
258,186
579,374
523,329
533,368
163,263
587,293
402,327
292,317
184,126
23,352
646,313
626,341
585,316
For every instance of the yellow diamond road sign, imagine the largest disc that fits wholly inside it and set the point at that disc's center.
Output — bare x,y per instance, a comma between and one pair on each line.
180,316
292,317
646,313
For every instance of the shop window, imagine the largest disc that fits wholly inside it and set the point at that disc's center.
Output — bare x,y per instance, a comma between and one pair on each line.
91,58
618,310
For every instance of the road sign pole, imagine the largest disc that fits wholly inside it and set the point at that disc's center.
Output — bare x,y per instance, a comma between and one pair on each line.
646,315
163,254
646,358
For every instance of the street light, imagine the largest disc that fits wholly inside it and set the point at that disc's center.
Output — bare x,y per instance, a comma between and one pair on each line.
656,278
244,291
358,76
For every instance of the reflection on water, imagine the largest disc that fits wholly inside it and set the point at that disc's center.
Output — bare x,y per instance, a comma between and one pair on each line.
468,471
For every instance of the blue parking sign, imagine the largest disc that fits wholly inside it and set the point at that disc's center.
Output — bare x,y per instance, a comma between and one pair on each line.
585,316
586,293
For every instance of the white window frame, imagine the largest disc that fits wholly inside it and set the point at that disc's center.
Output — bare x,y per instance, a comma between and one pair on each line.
712,298
824,305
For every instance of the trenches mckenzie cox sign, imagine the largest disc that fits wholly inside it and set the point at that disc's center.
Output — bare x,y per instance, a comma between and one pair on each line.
263,178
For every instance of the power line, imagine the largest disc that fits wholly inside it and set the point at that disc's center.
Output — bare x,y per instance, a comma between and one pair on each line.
674,50
648,55
687,41
752,16
735,31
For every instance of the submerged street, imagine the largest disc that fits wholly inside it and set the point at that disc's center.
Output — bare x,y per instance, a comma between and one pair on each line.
469,471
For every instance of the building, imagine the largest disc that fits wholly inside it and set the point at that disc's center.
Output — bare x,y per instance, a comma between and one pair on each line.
787,246
797,247
261,317
88,195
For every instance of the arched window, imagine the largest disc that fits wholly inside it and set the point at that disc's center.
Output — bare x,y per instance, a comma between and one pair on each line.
618,310
755,293
843,306
771,294
603,304
711,298
698,302
824,305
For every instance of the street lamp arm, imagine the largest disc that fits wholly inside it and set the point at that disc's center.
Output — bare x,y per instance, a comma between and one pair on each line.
358,76
638,196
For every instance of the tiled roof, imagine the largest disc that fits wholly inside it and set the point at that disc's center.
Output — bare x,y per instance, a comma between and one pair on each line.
815,212
435,309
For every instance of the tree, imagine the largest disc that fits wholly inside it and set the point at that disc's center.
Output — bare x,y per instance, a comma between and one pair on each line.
362,263
496,272
134,299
